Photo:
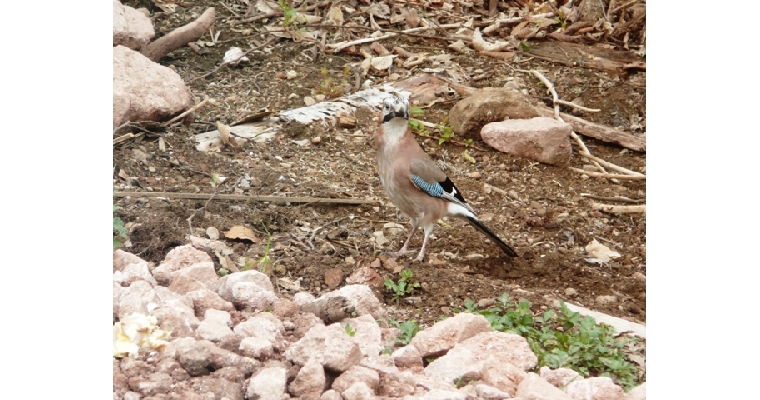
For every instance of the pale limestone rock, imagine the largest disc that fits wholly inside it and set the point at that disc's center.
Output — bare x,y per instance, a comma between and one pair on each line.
597,388
144,90
310,381
268,384
330,345
355,374
442,336
534,387
540,139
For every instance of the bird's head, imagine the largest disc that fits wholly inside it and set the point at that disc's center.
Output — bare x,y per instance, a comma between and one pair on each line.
395,107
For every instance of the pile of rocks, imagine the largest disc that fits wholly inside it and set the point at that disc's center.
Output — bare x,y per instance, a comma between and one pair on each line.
234,338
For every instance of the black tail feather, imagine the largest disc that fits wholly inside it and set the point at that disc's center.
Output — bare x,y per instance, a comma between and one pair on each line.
505,247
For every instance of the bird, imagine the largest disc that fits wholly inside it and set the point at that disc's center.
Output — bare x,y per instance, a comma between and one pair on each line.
414,183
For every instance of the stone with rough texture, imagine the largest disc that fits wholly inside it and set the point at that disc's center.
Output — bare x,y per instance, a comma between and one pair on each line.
598,388
310,381
330,345
367,333
407,357
179,258
540,139
486,392
285,308
144,90
493,350
503,376
533,387
134,272
442,336
439,394
220,358
637,393
251,295
212,387
304,322
365,276
263,325
468,116
256,347
396,384
331,395
202,274
268,384
131,28
357,373
117,292
139,297
215,326
195,358
559,377
334,277
205,299
302,298
361,298
122,258
177,317
359,391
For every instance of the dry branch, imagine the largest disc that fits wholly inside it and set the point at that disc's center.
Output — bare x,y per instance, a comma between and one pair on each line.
340,46
180,36
190,110
611,176
238,197
600,132
641,208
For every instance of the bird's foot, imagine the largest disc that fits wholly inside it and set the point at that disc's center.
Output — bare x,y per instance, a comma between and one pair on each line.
420,257
397,254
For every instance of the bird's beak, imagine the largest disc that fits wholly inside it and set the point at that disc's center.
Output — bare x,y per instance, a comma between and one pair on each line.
400,112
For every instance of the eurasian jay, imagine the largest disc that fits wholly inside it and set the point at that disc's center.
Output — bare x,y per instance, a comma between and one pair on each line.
414,182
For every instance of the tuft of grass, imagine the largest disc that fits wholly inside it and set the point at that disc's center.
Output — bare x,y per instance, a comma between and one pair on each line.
349,330
264,262
404,285
408,330
120,234
564,339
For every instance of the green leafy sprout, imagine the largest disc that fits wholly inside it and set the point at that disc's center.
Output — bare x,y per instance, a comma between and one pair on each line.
408,330
404,285
120,233
564,339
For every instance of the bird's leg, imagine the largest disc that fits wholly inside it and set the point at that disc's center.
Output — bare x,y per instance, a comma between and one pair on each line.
427,231
406,244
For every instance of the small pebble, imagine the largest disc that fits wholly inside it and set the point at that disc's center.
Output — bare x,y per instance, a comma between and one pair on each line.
309,101
212,233
316,140
475,175
605,299
570,292
280,75
320,97
639,276
291,75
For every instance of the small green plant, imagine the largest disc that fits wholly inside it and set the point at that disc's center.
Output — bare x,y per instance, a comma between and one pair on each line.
524,46
265,261
223,272
447,132
468,142
564,339
404,285
120,234
387,351
414,124
328,87
349,330
289,13
408,330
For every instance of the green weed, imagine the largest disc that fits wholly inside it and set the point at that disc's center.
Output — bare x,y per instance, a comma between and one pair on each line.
404,285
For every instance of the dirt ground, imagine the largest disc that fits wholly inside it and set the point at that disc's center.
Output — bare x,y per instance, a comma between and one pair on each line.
543,216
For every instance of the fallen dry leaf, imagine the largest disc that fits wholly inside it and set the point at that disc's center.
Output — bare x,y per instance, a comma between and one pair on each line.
382,63
481,45
241,232
600,252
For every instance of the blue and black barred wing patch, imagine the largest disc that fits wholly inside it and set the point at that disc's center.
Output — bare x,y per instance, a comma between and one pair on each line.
444,190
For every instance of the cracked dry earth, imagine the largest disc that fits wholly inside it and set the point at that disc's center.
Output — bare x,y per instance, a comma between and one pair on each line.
536,208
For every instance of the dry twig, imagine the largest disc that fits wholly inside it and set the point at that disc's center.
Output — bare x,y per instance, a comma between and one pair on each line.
237,197
340,46
608,175
225,63
180,36
641,208
190,110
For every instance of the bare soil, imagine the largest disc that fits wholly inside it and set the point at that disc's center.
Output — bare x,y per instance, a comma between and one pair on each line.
543,216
